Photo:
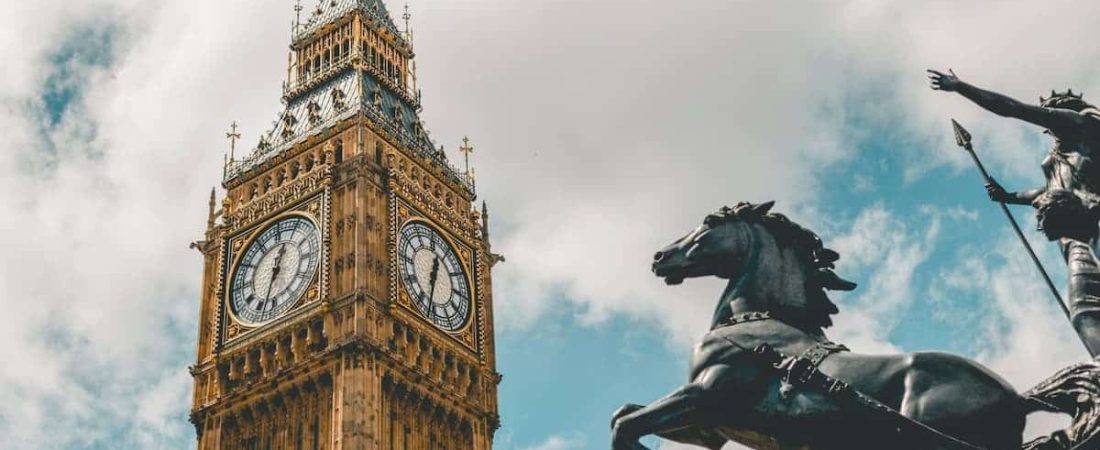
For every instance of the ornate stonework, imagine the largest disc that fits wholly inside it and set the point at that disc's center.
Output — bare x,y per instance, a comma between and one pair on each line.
350,364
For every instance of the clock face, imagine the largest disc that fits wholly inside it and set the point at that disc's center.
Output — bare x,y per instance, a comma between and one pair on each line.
275,270
434,277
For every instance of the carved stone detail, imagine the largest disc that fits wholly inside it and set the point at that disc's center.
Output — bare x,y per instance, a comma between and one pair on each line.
279,198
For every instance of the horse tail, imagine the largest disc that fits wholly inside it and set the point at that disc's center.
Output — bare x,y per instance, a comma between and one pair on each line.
1074,391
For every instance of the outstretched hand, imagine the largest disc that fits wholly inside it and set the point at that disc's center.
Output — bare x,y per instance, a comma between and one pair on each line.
948,82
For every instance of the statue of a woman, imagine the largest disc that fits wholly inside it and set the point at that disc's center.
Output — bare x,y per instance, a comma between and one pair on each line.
1069,203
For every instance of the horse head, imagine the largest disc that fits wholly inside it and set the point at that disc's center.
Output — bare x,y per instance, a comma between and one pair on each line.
719,247
772,263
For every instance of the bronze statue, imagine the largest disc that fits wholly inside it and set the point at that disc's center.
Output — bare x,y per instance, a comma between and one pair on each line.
1068,205
766,376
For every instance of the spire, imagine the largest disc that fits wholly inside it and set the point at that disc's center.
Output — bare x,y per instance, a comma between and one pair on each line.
484,221
409,38
369,71
328,11
210,218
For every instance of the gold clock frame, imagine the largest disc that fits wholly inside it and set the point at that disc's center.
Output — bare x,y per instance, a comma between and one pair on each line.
405,211
467,271
312,289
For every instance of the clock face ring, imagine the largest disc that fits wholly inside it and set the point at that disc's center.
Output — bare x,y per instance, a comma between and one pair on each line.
274,271
434,276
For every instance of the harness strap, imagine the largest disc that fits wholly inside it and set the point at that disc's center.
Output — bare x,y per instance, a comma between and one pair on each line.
804,369
841,391
822,350
746,317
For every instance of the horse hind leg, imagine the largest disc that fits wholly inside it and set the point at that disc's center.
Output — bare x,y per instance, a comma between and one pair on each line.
959,399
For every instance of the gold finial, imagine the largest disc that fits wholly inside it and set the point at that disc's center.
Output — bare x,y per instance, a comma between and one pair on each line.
297,15
232,135
407,16
466,149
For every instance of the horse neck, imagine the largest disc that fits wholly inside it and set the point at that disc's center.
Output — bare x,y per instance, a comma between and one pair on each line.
778,279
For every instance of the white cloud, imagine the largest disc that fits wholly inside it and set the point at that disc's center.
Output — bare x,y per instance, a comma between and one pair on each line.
669,445
559,442
1016,47
623,133
619,142
889,251
98,288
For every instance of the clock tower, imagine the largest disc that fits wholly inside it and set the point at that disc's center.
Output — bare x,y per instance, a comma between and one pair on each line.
347,296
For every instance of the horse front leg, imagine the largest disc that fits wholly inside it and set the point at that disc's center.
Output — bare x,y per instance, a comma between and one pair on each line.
687,407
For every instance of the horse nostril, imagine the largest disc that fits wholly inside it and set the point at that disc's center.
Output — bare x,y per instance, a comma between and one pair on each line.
659,256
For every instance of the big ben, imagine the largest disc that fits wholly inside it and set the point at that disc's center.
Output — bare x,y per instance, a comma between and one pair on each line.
347,297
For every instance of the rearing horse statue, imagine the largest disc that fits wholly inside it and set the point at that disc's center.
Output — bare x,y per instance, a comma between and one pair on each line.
767,377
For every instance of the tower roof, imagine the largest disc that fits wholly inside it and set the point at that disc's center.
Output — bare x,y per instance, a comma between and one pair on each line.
340,98
328,11
345,88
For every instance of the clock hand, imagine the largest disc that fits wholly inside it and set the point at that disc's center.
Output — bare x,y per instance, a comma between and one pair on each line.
432,279
275,270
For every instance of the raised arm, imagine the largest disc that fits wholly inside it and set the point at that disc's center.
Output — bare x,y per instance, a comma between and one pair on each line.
1054,119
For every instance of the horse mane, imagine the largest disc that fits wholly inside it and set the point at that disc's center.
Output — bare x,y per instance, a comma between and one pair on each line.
819,261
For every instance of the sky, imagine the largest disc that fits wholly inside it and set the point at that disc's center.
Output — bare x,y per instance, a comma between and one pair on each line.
604,129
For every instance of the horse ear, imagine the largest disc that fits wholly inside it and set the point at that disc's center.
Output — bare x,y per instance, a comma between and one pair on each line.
827,255
829,280
763,208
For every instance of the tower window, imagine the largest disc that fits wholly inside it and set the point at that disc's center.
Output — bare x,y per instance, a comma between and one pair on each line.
301,437
316,433
339,152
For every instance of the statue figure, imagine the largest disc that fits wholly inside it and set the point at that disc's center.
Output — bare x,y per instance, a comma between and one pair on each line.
1068,205
766,375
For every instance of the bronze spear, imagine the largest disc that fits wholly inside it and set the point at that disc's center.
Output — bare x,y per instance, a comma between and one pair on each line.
963,138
